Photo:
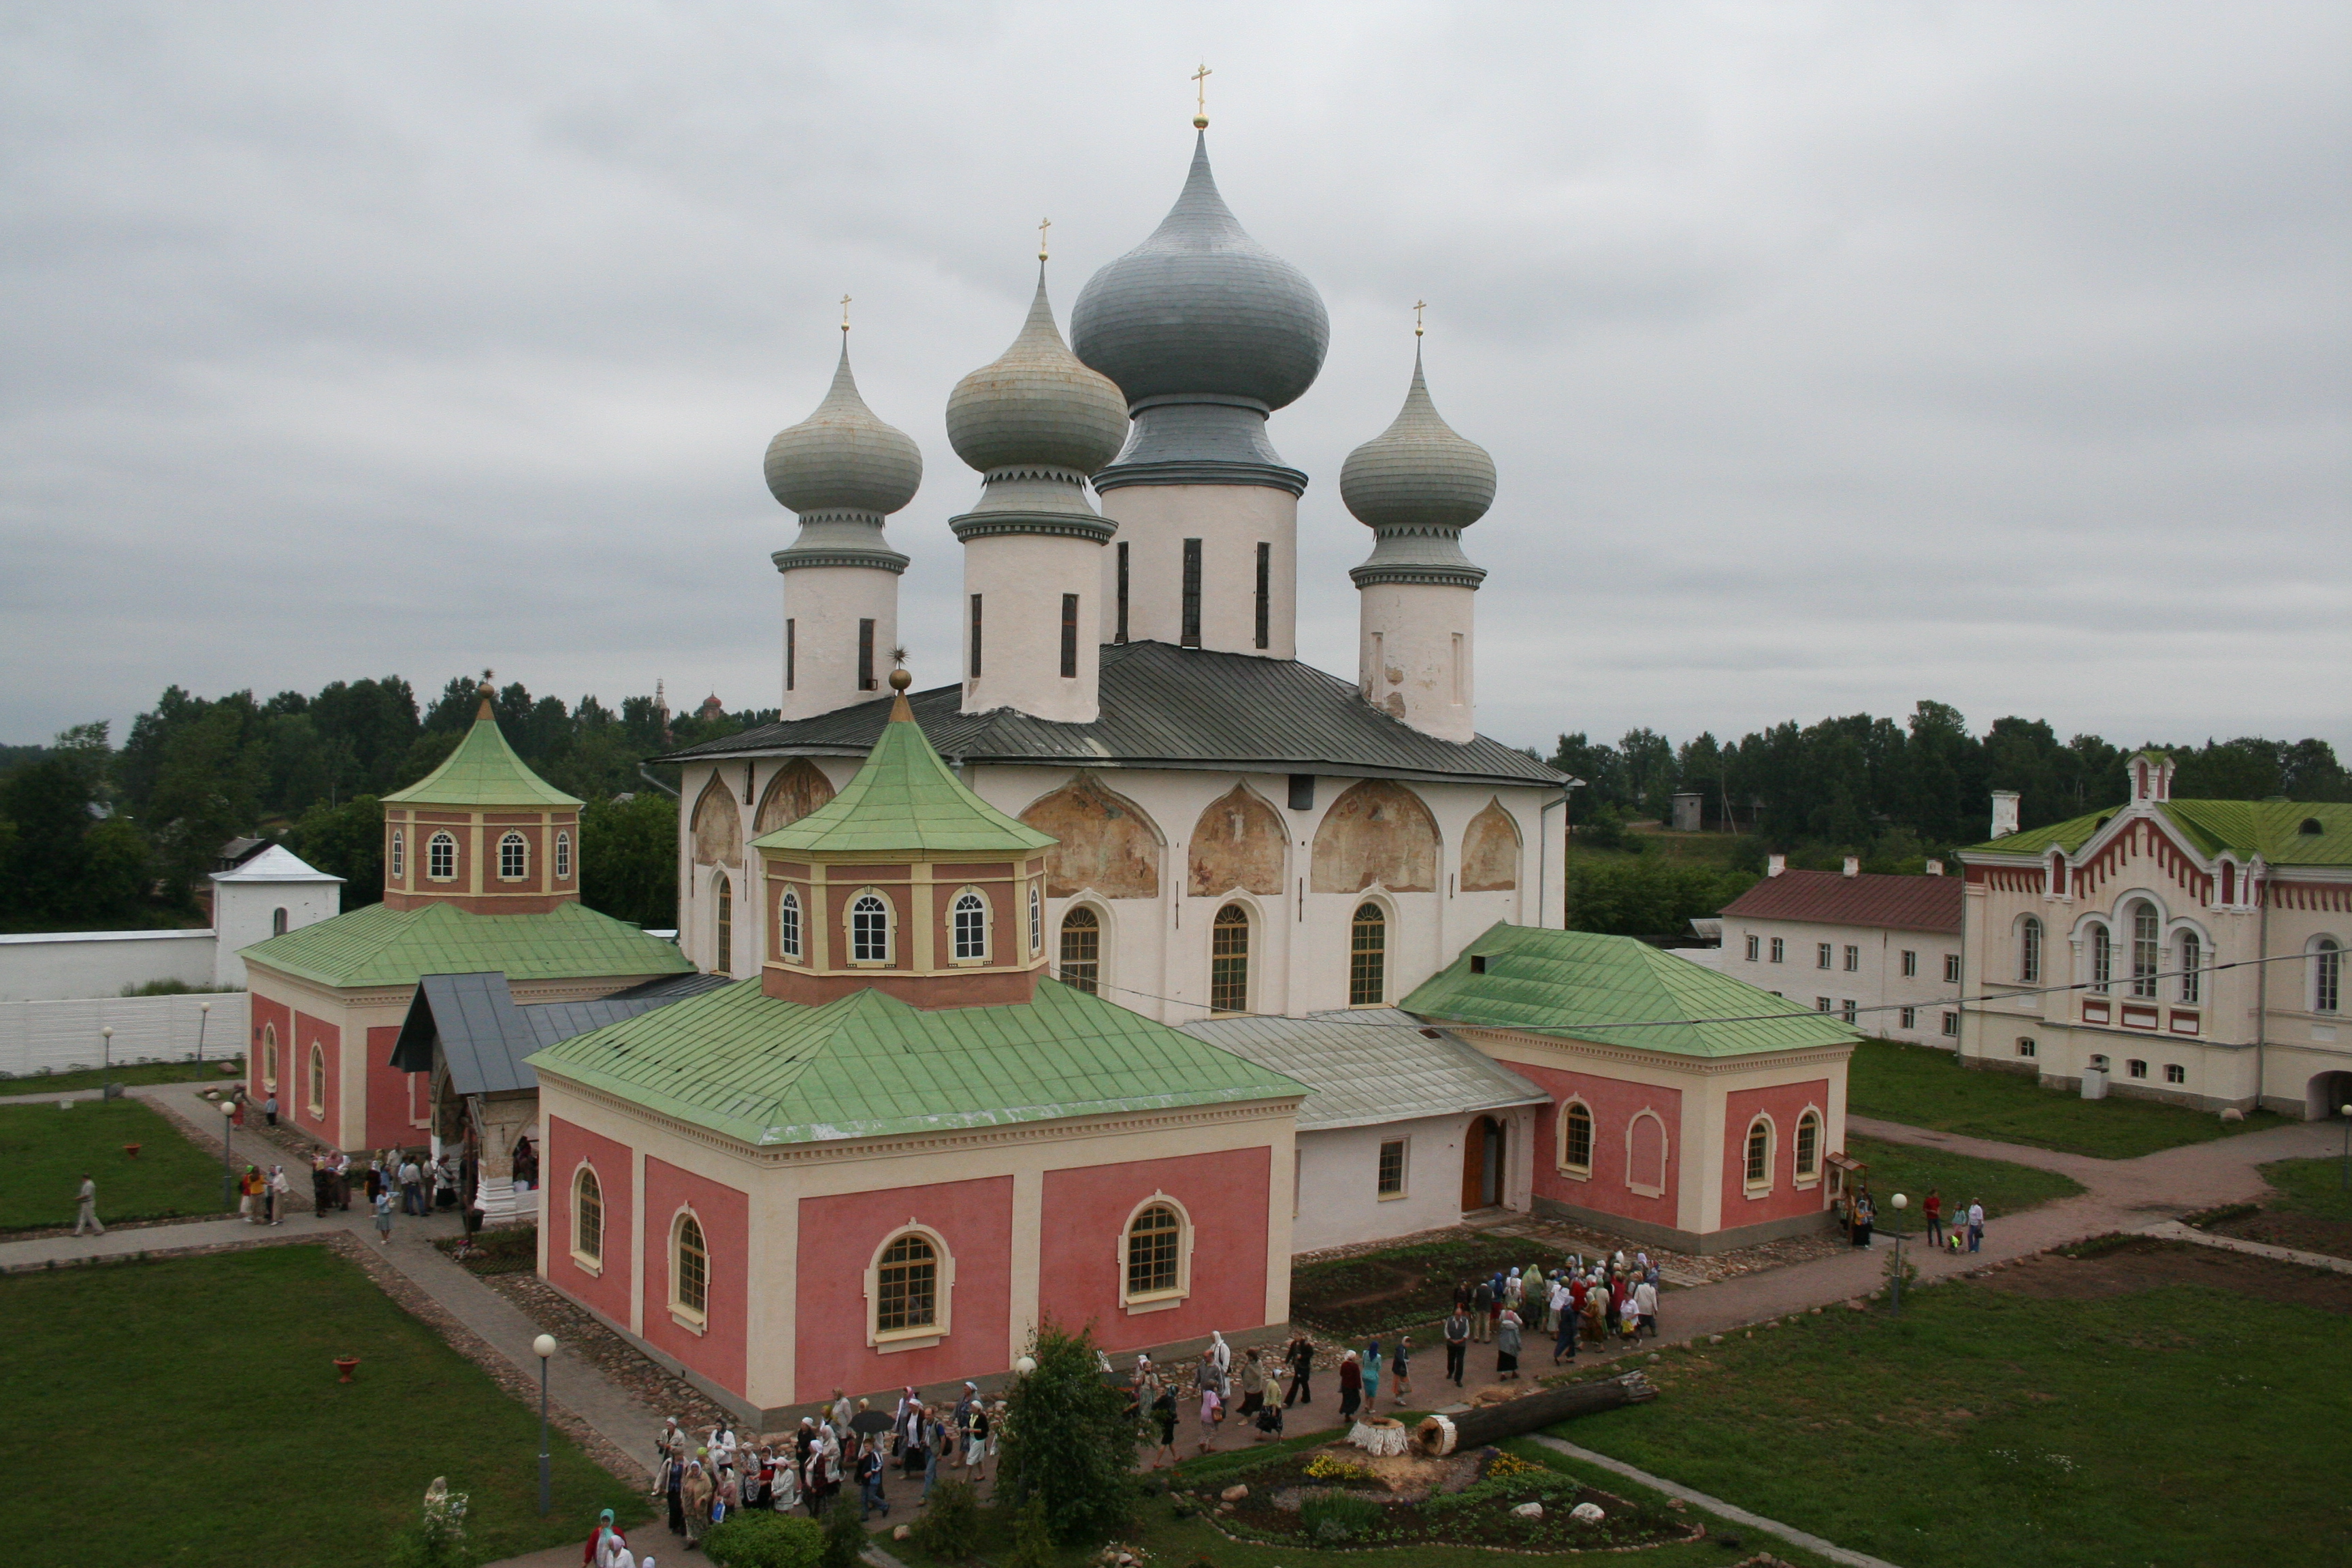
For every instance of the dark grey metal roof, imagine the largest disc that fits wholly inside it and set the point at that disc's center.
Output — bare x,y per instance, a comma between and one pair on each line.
1370,1066
1168,707
479,1031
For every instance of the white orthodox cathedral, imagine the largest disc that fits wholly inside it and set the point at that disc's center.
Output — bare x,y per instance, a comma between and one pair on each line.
1238,833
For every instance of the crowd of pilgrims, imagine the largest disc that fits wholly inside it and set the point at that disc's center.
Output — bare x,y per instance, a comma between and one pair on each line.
852,1443
1576,1302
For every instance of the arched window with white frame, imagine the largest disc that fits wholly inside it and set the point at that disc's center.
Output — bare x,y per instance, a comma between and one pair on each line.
967,918
2192,967
2147,948
1808,1147
563,857
907,1286
1156,1250
269,1057
2029,951
2103,958
2326,974
689,1269
315,1096
514,857
1081,958
1368,956
1576,1138
1756,1165
723,945
869,928
399,854
441,857
588,1218
1036,920
1229,961
789,944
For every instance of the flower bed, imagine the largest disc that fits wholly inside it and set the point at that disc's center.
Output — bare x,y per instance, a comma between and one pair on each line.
1334,1498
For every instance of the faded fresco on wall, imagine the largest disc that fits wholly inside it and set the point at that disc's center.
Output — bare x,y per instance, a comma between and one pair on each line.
1237,843
1379,831
795,791
1106,842
718,826
1490,852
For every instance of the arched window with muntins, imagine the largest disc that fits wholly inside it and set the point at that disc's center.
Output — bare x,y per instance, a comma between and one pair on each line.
1036,920
2147,948
1081,965
399,854
1809,1146
316,1097
788,924
269,1057
1368,955
1759,1153
563,857
971,914
1576,1138
2193,964
514,857
441,857
869,929
690,1269
2326,975
907,1286
1155,1246
722,957
1229,943
2103,960
2029,950
588,1217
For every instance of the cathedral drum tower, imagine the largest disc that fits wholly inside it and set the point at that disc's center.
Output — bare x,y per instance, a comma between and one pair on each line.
1207,333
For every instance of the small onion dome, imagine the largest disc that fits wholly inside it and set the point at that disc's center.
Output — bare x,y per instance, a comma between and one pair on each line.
1418,473
1037,406
1200,308
843,460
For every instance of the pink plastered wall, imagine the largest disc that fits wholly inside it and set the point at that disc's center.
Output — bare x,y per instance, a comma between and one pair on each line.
1615,1104
391,1099
841,1235
1784,1199
294,1086
717,1352
1084,1249
568,1149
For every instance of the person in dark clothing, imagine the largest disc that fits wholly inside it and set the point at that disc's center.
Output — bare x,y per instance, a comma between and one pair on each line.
1482,1310
1564,1344
1457,1342
1301,1359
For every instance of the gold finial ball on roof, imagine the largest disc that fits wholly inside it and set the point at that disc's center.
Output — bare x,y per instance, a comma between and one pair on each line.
900,679
1199,122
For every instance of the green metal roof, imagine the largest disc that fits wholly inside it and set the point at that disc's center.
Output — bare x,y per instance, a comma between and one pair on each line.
2271,828
1575,984
383,946
482,770
768,1071
904,801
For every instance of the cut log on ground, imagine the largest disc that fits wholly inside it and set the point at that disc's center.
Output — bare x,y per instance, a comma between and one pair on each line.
1441,1435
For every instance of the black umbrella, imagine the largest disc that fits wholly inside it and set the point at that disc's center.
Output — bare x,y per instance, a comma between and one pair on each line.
869,1422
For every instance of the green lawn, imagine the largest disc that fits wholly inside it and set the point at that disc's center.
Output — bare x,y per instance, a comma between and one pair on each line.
2313,1187
2175,1424
211,1380
142,1072
1912,1168
1921,1087
44,1151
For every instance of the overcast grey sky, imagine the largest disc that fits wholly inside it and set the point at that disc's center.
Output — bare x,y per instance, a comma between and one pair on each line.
1832,355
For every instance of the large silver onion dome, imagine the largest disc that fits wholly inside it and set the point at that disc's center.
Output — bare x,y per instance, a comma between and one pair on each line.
842,458
1202,308
1037,406
1418,472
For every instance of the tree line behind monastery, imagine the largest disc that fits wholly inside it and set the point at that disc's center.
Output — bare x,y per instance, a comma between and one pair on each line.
93,835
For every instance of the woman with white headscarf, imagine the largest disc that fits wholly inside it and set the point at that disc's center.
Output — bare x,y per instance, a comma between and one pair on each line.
1221,1355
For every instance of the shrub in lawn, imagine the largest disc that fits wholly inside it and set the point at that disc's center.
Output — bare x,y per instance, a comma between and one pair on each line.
1033,1537
760,1538
950,1528
844,1536
1067,1441
1329,1518
437,1539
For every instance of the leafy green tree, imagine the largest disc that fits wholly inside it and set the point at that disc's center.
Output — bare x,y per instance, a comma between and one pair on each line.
628,858
844,1537
1068,1442
64,862
1648,897
346,841
368,727
207,791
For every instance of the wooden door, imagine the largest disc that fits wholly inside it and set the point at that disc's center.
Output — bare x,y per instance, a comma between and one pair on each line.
1474,1164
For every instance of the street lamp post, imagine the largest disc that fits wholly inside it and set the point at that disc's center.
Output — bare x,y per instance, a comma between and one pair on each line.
545,1346
229,1179
204,1017
1895,1292
106,1047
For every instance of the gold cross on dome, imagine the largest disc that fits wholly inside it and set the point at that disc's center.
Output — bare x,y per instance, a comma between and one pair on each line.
1418,307
1042,225
845,313
1201,100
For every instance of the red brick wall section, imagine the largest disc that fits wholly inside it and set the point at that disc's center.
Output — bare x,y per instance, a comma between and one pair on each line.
718,1350
392,1098
1784,1199
267,1013
1085,1245
1615,1104
840,1237
568,1149
294,1083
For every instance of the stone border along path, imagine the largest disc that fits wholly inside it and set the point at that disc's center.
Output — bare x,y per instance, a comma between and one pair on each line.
1737,1515
2123,1195
2173,1230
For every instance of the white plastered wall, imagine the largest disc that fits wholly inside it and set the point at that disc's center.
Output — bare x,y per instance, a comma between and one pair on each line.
1230,522
1020,579
822,604
1878,984
1414,658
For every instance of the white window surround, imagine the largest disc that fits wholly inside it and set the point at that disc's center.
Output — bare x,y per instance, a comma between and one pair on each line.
969,900
942,1295
1665,1155
849,929
2323,994
687,1318
514,851
441,857
1559,1153
1754,944
563,857
792,926
399,854
269,1057
314,1080
1036,920
1156,1301
1403,1147
1760,1186
590,1263
1805,1181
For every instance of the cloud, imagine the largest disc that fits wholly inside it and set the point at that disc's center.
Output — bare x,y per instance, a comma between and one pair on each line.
1833,357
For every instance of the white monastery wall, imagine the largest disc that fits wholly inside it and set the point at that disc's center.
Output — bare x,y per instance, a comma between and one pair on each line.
63,1036
54,966
245,913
